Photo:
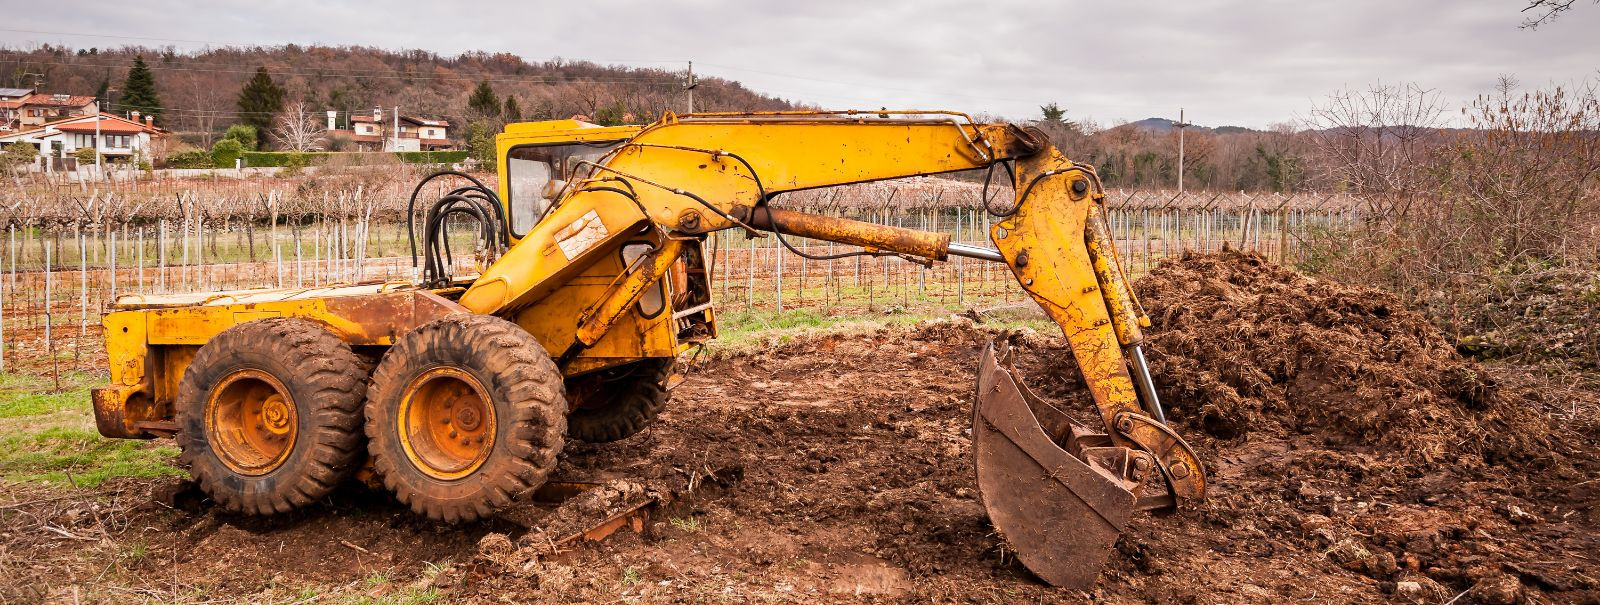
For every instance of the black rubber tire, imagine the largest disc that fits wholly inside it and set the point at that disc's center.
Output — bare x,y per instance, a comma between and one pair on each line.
328,386
529,404
623,406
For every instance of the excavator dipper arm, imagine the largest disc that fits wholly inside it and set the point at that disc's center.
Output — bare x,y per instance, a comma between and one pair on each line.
1059,491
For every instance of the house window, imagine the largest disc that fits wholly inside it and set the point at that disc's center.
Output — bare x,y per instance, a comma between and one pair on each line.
82,140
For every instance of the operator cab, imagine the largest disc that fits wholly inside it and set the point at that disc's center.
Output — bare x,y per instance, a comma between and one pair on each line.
538,159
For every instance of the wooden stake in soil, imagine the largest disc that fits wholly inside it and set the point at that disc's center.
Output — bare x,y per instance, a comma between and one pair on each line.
49,339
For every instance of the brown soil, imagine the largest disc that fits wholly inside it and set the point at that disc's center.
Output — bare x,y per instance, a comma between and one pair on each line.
1353,457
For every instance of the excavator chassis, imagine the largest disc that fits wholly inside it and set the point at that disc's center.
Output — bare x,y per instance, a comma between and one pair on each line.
596,257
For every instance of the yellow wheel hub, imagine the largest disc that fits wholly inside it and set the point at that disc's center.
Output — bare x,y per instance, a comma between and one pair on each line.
447,423
251,422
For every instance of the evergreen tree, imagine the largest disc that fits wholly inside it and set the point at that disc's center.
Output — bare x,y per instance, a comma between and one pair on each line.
139,90
483,102
101,90
480,145
1053,112
260,101
513,111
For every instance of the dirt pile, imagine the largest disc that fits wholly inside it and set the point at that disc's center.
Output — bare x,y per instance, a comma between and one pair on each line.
1246,347
1345,432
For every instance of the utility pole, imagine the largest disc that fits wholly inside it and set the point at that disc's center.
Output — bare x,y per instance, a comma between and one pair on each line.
395,146
1180,126
689,84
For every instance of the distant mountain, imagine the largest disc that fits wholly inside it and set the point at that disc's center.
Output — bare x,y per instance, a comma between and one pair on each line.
1154,124
1165,125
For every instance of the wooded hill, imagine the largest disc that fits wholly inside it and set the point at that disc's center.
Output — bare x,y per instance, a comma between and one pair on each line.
199,90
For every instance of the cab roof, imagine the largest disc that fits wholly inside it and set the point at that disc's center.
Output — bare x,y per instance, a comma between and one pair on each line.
566,130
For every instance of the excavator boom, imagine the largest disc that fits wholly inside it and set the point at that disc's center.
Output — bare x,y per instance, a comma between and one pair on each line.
1060,492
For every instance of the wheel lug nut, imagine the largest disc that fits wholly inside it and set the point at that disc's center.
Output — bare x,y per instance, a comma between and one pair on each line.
452,434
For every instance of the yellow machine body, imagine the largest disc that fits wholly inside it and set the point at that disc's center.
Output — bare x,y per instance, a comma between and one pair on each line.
605,266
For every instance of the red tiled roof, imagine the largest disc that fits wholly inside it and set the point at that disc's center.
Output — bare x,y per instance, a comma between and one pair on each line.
106,127
362,118
58,100
437,142
109,125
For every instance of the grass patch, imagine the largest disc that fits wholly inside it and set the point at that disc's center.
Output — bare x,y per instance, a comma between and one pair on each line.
744,331
687,524
80,457
22,396
50,437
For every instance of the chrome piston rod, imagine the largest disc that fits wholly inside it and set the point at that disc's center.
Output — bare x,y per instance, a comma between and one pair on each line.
1145,384
977,252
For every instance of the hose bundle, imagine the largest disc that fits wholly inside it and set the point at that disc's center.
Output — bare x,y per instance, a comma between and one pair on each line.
475,201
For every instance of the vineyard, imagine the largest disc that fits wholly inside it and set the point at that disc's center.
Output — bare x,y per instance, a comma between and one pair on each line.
71,248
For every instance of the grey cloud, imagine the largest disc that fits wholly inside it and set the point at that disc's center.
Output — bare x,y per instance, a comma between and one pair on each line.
1227,62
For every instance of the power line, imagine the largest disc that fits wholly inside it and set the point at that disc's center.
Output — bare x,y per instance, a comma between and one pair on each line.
664,80
191,64
238,45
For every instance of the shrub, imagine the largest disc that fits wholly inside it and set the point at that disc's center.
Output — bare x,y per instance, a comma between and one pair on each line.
225,152
85,155
192,158
17,154
245,134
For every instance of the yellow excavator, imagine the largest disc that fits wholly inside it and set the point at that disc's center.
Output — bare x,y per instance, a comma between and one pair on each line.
592,276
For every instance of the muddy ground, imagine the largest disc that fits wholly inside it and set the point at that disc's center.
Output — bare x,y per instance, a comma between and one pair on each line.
1353,457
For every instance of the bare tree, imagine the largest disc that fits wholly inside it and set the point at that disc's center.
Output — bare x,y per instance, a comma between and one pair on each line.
1377,141
1541,12
297,129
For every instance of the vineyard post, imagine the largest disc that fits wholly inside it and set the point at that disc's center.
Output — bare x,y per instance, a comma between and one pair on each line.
827,284
727,259
277,248
83,291
299,255
922,272
183,238
961,274
161,254
112,258
13,249
204,282
49,338
803,268
777,264
316,256
750,279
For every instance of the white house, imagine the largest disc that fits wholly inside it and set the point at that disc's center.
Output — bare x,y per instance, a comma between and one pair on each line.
119,139
22,108
374,133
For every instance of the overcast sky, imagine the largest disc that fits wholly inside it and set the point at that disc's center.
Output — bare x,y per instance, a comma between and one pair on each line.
1227,62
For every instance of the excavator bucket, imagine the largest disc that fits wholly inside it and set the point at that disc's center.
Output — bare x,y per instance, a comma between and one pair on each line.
1060,512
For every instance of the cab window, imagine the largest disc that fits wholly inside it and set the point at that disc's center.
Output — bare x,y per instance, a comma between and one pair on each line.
536,174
